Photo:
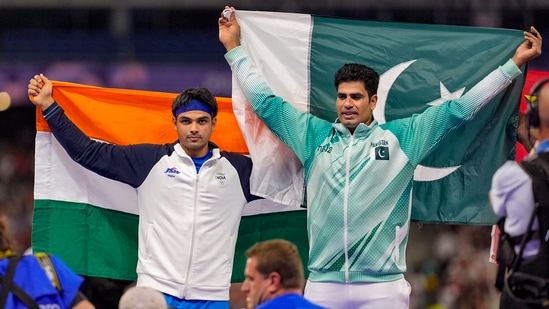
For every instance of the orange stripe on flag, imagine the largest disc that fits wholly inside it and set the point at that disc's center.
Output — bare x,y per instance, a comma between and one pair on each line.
124,116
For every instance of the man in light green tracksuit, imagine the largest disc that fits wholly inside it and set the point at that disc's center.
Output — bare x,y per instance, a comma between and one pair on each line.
359,174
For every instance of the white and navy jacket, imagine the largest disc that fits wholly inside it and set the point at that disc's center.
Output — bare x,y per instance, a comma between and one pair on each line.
188,222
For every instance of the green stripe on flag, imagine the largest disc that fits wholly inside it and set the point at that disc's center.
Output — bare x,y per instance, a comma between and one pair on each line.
289,225
111,236
96,241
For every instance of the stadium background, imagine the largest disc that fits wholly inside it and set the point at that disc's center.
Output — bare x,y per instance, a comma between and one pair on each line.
170,45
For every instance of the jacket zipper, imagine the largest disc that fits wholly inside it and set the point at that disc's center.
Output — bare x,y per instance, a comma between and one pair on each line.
345,209
187,275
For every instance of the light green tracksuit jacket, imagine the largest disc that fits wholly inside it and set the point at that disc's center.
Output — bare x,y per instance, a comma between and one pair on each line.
359,185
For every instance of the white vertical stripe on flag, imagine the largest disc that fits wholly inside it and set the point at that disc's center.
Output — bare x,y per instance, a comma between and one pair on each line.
59,178
279,44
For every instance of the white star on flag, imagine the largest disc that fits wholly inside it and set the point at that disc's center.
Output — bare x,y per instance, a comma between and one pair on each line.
446,95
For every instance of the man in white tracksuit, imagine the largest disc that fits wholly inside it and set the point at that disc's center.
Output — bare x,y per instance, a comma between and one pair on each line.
190,196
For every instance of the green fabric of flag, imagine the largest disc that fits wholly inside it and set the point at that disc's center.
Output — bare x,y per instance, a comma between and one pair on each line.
420,65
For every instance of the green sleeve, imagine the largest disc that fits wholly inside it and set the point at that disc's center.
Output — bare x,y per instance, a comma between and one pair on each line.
420,133
300,131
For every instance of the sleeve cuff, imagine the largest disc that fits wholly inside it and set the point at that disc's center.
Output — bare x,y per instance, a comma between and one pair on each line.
510,69
52,109
234,54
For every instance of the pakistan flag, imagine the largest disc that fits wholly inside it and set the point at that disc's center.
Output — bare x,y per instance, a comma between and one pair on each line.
420,66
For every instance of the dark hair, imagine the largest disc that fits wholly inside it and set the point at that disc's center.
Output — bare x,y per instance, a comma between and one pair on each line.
201,94
282,257
355,72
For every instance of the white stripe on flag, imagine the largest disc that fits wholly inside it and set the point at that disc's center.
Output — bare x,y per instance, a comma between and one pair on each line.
58,177
282,50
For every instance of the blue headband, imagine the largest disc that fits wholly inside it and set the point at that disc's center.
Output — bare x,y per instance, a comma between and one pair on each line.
194,105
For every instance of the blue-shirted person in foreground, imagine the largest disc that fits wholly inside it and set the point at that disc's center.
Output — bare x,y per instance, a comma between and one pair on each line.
37,280
274,277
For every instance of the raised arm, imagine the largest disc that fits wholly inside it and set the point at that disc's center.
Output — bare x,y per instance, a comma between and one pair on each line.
40,91
424,133
529,49
299,130
229,29
128,164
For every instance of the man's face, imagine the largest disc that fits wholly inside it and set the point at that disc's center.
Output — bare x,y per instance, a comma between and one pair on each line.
257,287
194,129
354,105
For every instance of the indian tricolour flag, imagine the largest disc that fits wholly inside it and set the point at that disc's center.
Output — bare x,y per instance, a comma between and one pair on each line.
91,221
420,66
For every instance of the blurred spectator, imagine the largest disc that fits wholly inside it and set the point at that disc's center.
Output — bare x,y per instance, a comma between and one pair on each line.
274,276
519,195
53,284
142,297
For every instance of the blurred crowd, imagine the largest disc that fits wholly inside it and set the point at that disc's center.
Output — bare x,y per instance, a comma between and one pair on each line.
16,184
449,268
